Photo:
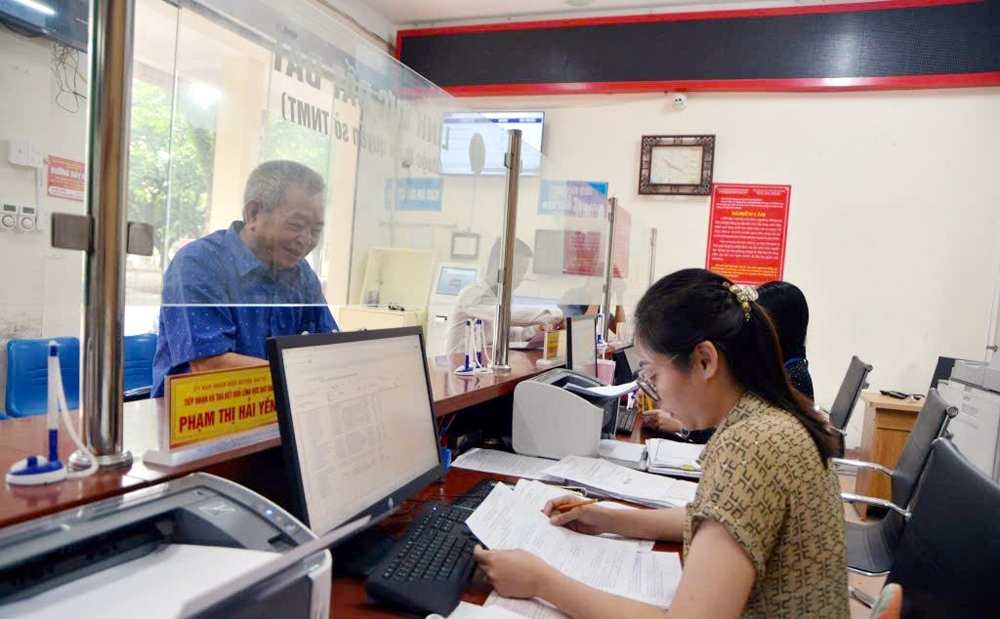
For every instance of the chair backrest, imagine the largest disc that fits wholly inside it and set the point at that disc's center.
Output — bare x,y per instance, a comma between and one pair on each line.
850,390
138,361
28,370
947,558
931,423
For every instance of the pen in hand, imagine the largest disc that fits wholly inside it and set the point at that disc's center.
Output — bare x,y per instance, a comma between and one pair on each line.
565,507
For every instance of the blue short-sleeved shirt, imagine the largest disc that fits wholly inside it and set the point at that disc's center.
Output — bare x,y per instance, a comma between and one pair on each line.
218,298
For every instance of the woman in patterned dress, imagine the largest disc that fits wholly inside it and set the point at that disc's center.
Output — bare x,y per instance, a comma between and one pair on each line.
764,536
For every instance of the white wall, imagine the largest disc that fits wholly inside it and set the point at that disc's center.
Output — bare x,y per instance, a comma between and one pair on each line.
40,287
895,211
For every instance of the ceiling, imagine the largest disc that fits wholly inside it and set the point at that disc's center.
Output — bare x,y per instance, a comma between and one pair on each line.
410,13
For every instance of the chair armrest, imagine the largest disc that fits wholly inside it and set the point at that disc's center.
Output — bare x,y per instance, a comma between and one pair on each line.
867,500
858,464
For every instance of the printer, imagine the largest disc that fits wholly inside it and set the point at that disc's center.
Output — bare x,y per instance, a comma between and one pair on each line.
552,420
68,558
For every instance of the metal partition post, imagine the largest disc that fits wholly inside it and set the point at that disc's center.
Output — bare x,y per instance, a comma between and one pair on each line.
652,256
501,333
111,82
609,268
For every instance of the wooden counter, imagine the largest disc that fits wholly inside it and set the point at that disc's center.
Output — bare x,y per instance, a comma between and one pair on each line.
20,438
886,429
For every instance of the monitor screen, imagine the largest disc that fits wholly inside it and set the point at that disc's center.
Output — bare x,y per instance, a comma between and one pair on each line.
63,21
547,258
581,344
453,279
457,129
357,426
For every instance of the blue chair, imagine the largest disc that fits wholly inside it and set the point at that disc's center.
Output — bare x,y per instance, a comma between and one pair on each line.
138,355
27,375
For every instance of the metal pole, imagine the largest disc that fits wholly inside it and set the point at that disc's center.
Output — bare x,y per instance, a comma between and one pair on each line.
652,256
501,333
609,268
111,82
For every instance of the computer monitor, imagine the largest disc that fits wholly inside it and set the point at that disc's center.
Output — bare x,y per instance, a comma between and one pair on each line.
581,344
358,431
626,365
453,279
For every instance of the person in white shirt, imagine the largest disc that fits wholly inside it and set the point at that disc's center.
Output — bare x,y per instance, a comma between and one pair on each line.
480,300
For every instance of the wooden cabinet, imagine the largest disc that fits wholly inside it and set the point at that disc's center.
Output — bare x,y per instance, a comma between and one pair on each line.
887,426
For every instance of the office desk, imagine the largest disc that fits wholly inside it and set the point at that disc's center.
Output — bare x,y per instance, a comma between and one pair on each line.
886,429
257,466
348,597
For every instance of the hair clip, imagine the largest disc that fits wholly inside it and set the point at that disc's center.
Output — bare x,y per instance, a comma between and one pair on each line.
744,295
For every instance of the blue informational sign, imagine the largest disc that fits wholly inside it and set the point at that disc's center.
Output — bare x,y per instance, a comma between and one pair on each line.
413,194
573,198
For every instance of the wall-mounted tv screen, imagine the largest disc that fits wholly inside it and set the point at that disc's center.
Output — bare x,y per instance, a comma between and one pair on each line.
457,129
63,21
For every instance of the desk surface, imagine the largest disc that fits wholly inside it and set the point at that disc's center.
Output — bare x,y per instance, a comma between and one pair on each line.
20,438
876,399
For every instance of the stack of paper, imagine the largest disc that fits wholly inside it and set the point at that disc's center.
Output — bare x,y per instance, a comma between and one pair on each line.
504,521
632,455
673,458
615,481
503,463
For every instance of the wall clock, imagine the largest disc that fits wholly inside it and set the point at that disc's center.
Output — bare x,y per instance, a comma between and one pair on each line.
676,165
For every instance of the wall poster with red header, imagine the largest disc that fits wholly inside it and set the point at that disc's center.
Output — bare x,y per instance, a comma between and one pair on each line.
747,231
584,251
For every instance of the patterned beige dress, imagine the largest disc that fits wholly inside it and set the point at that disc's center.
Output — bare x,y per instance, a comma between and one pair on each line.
764,482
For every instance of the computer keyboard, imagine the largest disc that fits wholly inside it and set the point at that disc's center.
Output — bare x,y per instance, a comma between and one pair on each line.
626,419
474,496
429,566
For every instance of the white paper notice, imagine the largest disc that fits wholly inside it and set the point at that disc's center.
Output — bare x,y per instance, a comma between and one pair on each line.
136,588
503,463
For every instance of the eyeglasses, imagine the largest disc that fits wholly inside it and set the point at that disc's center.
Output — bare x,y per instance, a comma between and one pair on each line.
647,384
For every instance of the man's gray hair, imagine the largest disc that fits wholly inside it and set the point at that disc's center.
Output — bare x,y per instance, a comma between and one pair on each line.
269,181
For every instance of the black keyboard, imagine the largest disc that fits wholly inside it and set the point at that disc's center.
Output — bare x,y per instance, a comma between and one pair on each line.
429,566
474,496
626,419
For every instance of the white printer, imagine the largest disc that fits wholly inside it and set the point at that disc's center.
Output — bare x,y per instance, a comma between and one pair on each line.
551,421
74,559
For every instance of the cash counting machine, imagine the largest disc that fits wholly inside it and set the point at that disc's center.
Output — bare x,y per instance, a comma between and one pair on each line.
41,559
553,421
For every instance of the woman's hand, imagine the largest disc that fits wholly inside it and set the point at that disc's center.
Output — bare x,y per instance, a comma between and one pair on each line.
661,421
513,573
589,519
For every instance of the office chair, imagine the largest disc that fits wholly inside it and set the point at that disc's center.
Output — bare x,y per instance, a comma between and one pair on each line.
27,375
847,397
947,558
870,545
138,364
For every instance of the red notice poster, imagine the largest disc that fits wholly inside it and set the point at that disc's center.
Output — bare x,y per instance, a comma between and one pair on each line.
65,178
747,232
584,252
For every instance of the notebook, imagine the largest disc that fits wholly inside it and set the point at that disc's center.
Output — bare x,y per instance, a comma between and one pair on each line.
673,458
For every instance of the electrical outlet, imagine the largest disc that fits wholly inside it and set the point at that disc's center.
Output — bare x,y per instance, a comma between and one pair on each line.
17,151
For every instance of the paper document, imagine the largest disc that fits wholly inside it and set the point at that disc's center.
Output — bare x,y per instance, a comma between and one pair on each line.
504,522
533,608
673,458
610,391
624,483
466,610
622,451
536,494
503,463
137,588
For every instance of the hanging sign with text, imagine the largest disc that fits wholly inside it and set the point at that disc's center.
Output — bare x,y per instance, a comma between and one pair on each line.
747,231
65,178
209,405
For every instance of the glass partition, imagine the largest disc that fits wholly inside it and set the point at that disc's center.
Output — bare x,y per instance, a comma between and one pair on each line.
636,240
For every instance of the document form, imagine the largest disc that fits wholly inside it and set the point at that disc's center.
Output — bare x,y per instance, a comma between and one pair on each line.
503,463
505,522
624,483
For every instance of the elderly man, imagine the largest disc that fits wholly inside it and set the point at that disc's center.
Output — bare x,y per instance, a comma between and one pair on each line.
225,293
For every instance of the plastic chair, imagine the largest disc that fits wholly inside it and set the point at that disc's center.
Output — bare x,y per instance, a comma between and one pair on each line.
27,375
871,546
947,557
855,380
138,361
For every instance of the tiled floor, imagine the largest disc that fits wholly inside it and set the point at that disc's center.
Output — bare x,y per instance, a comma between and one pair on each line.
867,584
